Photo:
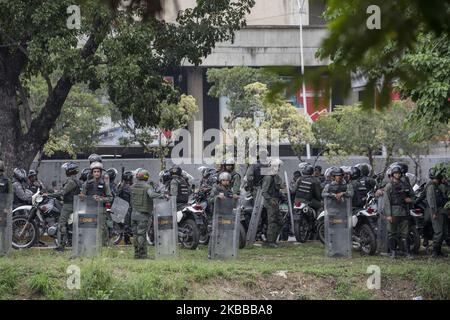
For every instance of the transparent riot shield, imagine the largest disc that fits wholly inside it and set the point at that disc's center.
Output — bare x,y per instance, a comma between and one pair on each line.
166,228
119,210
288,191
225,230
6,200
87,240
256,217
338,227
382,232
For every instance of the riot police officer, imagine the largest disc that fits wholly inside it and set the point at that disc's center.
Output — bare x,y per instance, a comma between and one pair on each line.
223,188
112,173
307,188
338,187
396,201
229,167
271,186
365,179
22,196
179,187
98,188
436,199
124,192
71,188
34,184
142,195
359,188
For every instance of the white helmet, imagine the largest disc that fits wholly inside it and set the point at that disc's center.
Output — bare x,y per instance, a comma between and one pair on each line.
230,161
224,176
96,165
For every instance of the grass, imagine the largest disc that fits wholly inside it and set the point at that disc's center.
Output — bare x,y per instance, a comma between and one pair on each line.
42,274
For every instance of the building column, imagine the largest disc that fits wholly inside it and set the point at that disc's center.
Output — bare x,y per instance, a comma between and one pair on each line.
195,89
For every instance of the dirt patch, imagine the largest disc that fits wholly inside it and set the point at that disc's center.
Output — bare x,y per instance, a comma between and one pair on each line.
298,286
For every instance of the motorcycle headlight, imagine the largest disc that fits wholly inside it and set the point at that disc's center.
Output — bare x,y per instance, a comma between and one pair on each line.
39,199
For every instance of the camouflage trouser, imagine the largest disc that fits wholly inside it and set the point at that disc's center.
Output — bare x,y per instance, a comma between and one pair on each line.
440,228
274,220
62,224
139,225
398,231
103,220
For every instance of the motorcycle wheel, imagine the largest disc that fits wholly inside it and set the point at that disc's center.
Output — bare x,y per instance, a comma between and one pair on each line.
29,238
242,236
116,234
301,229
191,234
368,240
414,240
321,231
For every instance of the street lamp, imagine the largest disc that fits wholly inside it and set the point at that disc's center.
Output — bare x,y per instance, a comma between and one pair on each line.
302,64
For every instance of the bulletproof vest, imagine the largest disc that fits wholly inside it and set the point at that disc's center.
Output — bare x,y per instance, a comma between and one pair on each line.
68,198
125,193
4,184
337,188
398,194
304,190
140,201
441,199
274,188
257,177
183,190
94,188
17,200
360,193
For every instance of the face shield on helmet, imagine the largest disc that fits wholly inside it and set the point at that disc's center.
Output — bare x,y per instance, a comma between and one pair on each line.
71,168
112,173
95,158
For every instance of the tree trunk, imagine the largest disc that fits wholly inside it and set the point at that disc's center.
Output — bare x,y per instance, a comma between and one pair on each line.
371,160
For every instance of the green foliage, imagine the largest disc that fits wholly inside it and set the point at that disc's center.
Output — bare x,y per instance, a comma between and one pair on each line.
434,284
79,124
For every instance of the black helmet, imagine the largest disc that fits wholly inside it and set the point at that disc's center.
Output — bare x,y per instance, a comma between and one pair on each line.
71,168
112,173
307,170
32,173
435,173
94,158
404,167
176,170
365,169
85,174
395,169
355,173
297,173
337,172
318,168
127,176
19,174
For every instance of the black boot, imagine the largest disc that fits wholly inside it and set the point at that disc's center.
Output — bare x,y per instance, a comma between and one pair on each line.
60,249
407,249
393,248
435,253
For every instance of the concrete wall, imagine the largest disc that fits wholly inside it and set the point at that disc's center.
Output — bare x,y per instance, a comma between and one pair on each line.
265,12
51,170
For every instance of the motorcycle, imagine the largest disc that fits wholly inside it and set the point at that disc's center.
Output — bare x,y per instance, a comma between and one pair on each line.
304,221
36,220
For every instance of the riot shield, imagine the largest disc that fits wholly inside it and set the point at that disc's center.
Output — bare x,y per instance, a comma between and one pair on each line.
87,240
382,232
338,227
288,191
256,217
166,228
119,210
6,200
225,230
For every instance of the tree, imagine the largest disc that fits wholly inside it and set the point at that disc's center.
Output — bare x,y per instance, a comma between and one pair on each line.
77,129
173,117
112,47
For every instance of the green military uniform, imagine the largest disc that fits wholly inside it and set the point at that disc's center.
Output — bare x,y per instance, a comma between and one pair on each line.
271,185
436,198
235,182
180,189
100,188
395,206
215,191
71,188
142,195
